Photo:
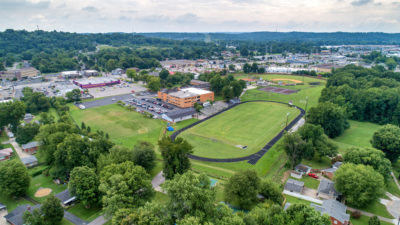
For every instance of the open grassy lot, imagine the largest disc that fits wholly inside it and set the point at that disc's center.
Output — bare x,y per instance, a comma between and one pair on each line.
84,213
12,203
124,127
294,200
42,181
251,124
358,135
313,92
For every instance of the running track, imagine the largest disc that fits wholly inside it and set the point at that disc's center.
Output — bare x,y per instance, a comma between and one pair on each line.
253,158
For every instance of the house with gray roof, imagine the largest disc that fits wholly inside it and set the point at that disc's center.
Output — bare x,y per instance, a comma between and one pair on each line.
330,172
30,147
326,189
294,186
2,207
335,210
302,169
65,197
29,161
15,217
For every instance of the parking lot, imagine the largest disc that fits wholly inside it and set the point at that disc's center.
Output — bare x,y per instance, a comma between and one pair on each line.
119,89
151,105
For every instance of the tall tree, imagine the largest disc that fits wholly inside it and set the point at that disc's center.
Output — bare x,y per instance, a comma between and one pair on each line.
131,73
52,211
295,148
116,155
84,184
191,195
144,155
227,93
150,214
271,191
26,133
298,214
14,178
242,188
164,74
331,117
124,186
360,184
74,95
387,139
175,156
11,113
46,118
369,157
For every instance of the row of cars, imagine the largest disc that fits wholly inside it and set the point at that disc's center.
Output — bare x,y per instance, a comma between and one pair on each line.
147,104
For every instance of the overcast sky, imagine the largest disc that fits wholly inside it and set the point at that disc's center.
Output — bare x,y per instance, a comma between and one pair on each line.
201,15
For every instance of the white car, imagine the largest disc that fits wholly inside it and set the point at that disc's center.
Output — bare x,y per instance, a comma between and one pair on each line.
82,106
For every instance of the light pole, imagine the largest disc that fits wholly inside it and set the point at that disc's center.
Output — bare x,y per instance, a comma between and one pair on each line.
287,118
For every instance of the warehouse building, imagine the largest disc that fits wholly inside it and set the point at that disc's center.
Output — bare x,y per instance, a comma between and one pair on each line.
94,82
186,97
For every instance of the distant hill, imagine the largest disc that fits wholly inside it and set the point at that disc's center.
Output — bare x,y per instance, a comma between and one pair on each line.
337,38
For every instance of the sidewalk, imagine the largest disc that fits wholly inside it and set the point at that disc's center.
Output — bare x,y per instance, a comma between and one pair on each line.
157,181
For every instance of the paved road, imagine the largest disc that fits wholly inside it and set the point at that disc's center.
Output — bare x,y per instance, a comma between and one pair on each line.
395,180
157,181
98,221
106,101
74,219
18,149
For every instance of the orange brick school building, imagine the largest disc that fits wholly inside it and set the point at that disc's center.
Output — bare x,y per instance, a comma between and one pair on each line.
186,97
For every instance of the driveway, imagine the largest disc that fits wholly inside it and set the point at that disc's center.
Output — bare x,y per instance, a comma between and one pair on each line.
98,221
18,149
304,197
157,181
2,214
392,205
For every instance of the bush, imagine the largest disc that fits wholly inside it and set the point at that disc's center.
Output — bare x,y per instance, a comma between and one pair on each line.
337,158
356,214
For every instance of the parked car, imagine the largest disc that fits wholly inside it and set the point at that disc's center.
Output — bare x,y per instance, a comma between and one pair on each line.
313,175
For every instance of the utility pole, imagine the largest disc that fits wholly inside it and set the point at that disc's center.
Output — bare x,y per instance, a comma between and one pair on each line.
287,118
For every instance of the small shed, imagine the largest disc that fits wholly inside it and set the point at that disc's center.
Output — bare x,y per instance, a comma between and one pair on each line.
303,169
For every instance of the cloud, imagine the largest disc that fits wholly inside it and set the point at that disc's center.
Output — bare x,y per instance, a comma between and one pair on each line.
90,9
361,2
19,5
187,18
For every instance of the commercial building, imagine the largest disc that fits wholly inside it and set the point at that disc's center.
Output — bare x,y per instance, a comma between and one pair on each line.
90,73
27,72
70,74
96,82
186,97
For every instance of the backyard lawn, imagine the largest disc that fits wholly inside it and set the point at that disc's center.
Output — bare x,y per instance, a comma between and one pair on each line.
124,127
82,212
252,124
42,181
363,220
309,182
294,200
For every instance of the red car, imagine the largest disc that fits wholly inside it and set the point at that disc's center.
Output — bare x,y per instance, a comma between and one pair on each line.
313,175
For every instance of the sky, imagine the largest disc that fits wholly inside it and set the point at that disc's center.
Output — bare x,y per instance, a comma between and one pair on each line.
92,16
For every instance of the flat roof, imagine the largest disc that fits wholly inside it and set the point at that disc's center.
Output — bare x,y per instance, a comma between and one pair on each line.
96,80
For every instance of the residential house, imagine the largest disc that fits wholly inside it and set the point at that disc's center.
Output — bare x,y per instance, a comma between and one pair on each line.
179,115
335,210
29,161
16,216
330,172
6,154
65,197
294,186
326,189
30,147
28,118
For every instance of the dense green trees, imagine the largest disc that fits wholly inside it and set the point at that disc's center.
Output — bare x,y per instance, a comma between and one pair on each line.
144,155
154,84
305,214
387,139
366,94
11,113
271,191
46,118
330,117
35,101
360,184
124,186
14,178
369,157
242,188
73,96
116,155
84,184
50,213
26,133
318,143
175,156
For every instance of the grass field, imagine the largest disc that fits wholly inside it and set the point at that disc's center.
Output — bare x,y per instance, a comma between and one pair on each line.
251,124
82,212
42,181
358,135
124,127
363,220
312,92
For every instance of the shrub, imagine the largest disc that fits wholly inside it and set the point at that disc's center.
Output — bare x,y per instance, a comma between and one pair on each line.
356,214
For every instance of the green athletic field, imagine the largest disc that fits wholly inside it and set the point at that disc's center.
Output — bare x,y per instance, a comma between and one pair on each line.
124,127
252,124
313,92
